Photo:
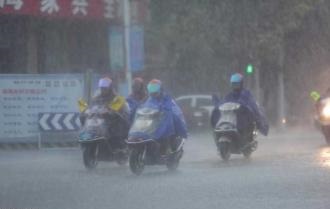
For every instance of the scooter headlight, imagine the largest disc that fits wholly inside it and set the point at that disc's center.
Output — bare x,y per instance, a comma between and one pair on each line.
94,122
143,124
326,111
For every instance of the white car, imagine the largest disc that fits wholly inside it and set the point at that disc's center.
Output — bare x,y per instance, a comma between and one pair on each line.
197,109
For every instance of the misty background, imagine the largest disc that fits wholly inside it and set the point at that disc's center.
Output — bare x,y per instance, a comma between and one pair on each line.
193,46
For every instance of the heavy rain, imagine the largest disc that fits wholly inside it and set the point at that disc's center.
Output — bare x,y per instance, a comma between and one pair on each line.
170,104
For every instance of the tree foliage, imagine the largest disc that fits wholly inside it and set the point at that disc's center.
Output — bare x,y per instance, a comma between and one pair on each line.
194,45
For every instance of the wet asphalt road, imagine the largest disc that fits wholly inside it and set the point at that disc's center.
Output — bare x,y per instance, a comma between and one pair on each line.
289,170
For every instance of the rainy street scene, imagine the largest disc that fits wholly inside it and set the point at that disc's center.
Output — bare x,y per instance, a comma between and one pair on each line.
154,104
287,171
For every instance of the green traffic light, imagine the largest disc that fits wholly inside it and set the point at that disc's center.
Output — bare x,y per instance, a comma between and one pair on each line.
249,69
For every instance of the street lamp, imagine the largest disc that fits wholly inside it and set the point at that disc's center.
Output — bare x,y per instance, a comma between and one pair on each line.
127,25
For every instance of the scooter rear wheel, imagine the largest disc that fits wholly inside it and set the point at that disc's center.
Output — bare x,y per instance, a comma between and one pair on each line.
247,153
173,163
224,148
327,139
250,149
326,133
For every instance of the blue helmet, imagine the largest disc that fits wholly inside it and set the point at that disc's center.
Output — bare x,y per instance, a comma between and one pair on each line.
154,86
236,78
236,81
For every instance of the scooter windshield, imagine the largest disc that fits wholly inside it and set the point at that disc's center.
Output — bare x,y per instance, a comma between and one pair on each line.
228,113
94,125
146,121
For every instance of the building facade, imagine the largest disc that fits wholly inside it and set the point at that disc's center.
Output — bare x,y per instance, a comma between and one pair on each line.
57,36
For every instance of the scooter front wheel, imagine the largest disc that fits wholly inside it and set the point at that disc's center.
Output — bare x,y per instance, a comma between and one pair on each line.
136,160
90,152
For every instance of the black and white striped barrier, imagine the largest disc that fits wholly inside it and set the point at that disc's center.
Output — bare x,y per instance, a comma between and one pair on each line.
33,146
59,122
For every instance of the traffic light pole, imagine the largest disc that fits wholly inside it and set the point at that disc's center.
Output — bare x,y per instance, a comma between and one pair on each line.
253,81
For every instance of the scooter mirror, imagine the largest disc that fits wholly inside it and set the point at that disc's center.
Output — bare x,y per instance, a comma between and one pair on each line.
82,105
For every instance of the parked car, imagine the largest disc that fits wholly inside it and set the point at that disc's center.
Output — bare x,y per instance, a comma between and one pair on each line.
196,109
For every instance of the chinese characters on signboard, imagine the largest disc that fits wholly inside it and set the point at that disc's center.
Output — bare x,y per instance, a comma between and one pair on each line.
15,4
23,97
97,9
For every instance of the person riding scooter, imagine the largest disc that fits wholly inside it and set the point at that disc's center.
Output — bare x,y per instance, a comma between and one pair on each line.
158,132
236,120
322,116
116,103
158,97
250,114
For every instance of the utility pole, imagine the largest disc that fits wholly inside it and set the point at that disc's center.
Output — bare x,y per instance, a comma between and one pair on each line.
257,85
281,110
281,105
127,25
253,80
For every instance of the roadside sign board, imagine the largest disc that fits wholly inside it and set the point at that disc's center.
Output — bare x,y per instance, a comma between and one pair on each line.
23,97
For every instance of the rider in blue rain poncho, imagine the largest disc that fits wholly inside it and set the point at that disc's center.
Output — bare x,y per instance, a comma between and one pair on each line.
171,124
168,126
176,124
243,96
